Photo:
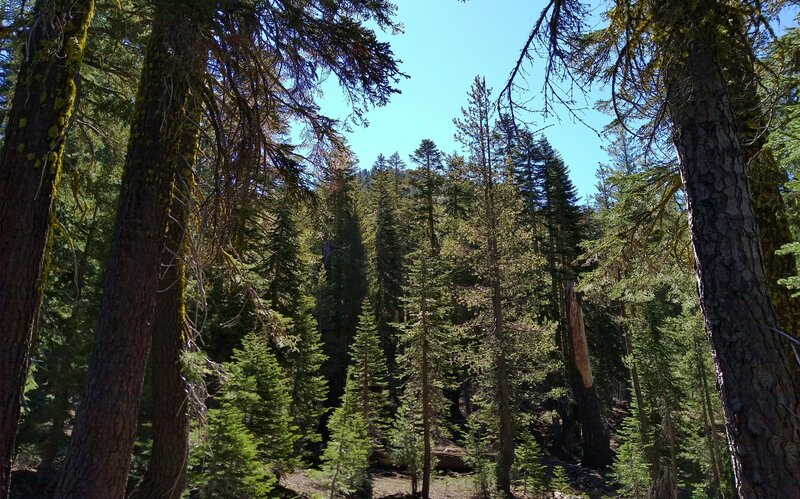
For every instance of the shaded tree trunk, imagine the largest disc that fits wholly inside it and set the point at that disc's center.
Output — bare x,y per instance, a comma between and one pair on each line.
426,424
99,455
594,433
766,176
505,452
664,486
759,394
165,477
30,166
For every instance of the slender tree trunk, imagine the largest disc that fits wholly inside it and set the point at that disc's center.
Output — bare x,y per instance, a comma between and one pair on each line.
426,423
505,453
708,420
594,434
759,394
637,387
100,450
165,477
30,166
669,428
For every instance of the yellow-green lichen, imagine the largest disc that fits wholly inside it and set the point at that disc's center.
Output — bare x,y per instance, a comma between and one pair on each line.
23,122
59,103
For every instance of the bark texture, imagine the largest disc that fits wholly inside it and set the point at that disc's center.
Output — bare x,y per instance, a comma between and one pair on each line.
99,455
30,165
759,394
594,433
766,176
165,477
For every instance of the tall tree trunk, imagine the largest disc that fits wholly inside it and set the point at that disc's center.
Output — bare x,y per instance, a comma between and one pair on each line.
426,421
637,387
664,486
165,477
594,433
30,166
505,452
759,394
766,176
99,455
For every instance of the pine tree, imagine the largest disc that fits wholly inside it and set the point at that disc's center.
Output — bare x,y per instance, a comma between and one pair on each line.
164,128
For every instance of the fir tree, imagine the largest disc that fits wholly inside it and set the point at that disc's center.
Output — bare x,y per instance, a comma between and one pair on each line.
286,270
228,464
256,386
528,465
346,458
406,445
366,387
631,468
339,296
396,165
427,182
426,345
474,131
388,260
559,482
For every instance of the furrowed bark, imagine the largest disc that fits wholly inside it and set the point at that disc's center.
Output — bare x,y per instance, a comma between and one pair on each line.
766,176
99,455
594,433
759,394
165,477
30,166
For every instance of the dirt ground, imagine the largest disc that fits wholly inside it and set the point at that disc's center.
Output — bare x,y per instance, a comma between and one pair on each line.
386,484
393,485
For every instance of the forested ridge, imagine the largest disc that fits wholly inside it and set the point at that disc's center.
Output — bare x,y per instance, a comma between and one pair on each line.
206,292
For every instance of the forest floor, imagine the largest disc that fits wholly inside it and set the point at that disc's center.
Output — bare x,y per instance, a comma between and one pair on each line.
390,484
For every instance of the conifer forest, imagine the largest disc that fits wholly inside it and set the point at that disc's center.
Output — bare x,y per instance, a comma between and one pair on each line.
208,289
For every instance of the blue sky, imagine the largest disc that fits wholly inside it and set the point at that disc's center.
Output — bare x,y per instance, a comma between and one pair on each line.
444,45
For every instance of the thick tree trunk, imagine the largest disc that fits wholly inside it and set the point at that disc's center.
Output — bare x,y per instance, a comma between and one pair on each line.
664,486
766,176
100,450
759,395
594,433
165,477
30,165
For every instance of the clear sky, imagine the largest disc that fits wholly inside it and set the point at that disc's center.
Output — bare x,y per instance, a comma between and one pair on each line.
444,45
